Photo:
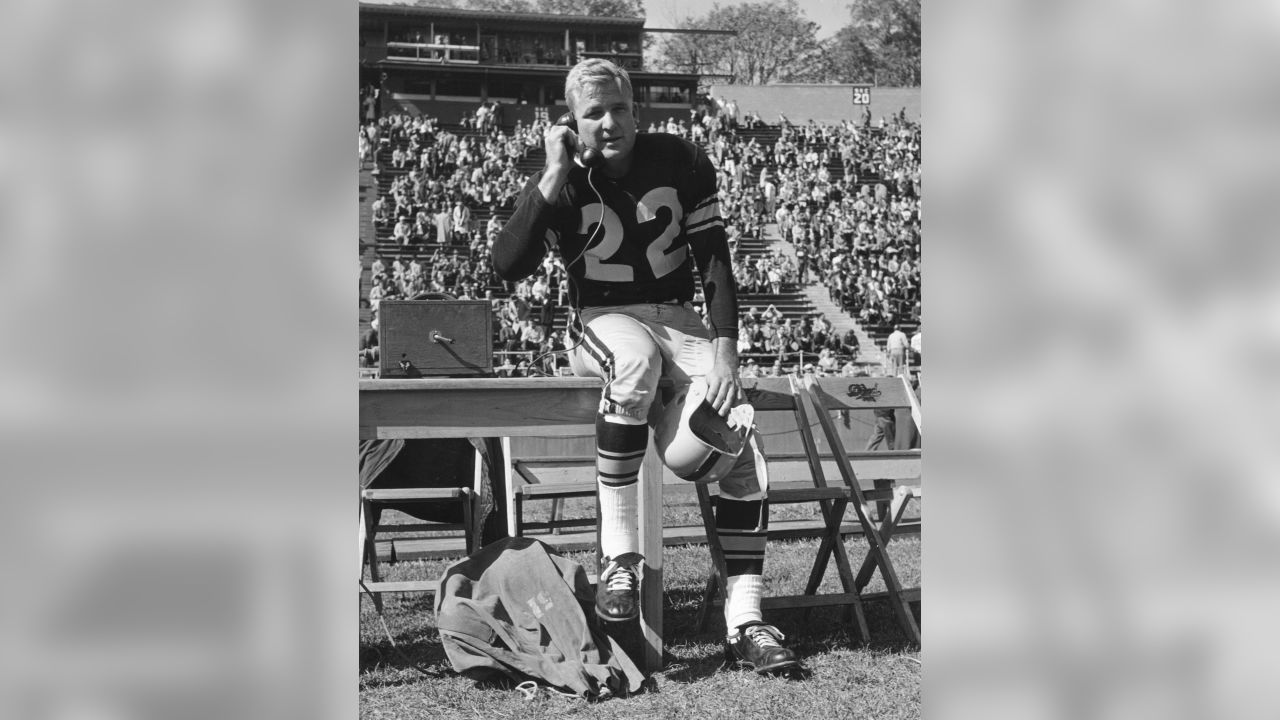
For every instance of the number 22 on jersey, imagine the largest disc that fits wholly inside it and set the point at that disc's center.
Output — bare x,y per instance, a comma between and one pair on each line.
661,258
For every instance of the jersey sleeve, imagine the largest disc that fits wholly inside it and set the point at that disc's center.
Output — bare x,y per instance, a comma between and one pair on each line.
704,229
521,243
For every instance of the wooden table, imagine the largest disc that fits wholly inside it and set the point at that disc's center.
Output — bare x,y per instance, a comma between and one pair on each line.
510,407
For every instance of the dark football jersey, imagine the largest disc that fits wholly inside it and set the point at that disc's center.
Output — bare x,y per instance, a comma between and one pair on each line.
634,247
635,239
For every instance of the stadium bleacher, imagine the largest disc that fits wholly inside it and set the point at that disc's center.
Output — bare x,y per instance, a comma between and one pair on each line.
758,246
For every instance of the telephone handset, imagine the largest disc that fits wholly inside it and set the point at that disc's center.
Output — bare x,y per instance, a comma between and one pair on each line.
587,157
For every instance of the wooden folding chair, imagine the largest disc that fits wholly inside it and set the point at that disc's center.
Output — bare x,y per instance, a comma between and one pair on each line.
827,395
774,395
534,472
373,500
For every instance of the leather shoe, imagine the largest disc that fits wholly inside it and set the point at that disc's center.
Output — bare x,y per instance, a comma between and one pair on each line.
756,646
618,588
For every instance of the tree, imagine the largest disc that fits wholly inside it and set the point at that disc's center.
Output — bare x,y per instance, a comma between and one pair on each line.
775,43
599,8
498,5
890,31
847,59
607,8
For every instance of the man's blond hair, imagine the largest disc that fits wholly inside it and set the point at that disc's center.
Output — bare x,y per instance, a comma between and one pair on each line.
595,71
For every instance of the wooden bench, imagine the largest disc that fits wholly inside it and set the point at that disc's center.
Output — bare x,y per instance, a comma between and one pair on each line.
512,407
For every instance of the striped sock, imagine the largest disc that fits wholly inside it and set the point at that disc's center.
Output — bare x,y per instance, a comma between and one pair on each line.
742,526
620,449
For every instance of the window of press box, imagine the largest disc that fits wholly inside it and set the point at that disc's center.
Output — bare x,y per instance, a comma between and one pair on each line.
458,86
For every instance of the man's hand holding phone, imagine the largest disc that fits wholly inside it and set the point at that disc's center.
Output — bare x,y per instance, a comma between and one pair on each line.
559,141
564,149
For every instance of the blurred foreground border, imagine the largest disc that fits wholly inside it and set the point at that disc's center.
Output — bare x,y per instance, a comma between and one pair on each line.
177,398
1100,279
178,401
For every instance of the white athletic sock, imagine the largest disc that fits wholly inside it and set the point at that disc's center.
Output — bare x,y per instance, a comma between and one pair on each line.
742,601
619,520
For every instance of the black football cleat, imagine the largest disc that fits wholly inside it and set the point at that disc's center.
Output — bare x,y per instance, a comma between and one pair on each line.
756,646
618,588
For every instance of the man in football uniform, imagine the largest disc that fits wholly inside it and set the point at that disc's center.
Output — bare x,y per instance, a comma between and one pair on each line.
631,231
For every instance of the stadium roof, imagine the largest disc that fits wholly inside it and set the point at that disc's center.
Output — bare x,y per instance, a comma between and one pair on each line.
497,16
536,70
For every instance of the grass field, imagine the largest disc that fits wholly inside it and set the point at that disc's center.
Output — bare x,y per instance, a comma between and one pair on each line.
842,678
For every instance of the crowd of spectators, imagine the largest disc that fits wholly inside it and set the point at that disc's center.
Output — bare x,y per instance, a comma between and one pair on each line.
771,333
763,274
860,239
444,174
464,277
858,234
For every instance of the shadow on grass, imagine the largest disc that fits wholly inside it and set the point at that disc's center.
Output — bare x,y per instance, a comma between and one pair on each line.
824,629
497,681
423,655
704,665
812,632
417,648
690,655
369,681
700,654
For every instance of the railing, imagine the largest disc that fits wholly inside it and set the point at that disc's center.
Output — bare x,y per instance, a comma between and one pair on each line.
624,60
507,360
434,52
800,358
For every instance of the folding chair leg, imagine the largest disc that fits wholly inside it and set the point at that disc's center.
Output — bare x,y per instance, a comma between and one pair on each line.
833,544
825,548
878,556
854,612
517,513
905,617
363,539
468,522
717,583
891,519
555,514
708,601
859,618
882,506
369,519
369,515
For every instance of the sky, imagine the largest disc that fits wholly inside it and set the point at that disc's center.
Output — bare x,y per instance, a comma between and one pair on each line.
831,15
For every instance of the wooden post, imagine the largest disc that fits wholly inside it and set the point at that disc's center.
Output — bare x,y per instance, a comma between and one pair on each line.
650,505
472,511
509,486
911,397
